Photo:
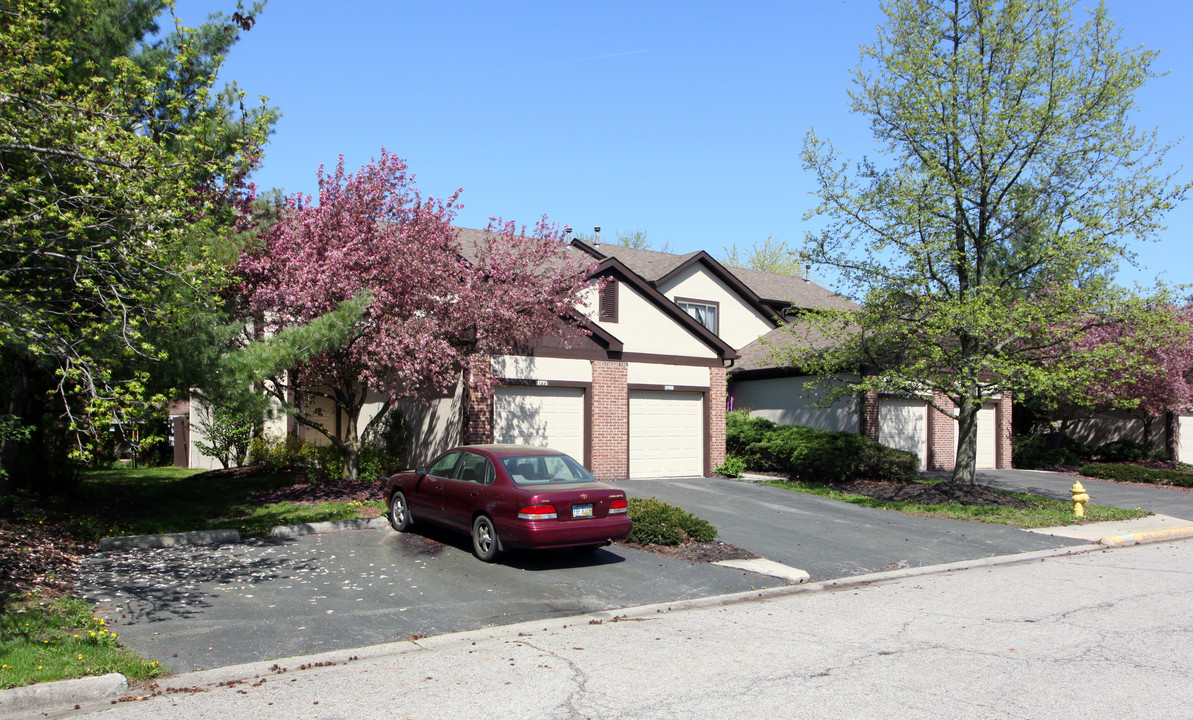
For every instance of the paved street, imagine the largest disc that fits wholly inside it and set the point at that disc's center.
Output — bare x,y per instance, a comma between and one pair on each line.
1103,634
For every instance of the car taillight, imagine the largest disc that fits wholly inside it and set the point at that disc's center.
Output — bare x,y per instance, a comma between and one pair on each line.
619,506
538,512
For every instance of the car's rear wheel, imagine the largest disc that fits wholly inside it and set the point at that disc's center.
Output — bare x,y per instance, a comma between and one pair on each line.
399,512
484,539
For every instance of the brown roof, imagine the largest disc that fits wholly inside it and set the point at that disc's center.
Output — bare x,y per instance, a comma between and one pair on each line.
802,293
766,352
773,288
649,264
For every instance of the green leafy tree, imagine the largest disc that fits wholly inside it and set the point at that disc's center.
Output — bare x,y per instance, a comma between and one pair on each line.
1009,179
122,179
769,255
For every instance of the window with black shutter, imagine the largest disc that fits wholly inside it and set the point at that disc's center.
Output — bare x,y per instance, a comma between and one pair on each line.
608,309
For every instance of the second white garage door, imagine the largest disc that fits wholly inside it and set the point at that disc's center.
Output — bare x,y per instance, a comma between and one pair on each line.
666,434
541,416
987,449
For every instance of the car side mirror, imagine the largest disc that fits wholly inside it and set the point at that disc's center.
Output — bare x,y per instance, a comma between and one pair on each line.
421,470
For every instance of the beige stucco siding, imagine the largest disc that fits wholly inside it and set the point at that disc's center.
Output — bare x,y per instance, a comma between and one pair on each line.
786,402
521,367
644,328
738,324
659,374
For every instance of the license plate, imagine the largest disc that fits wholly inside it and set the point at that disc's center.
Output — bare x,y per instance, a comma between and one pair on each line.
579,511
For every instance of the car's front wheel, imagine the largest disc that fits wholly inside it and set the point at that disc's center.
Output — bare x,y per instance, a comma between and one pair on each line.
484,539
399,512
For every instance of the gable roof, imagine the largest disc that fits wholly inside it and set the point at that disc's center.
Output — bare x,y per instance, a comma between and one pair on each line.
776,291
470,247
613,266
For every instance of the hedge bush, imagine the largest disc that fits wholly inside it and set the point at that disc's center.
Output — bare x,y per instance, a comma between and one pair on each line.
1048,450
660,523
1137,473
815,455
1121,451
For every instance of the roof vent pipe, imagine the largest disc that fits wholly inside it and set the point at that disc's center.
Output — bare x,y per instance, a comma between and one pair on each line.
567,233
597,241
807,272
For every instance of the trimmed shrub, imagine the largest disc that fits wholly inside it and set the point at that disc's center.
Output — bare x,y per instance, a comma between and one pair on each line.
660,523
1121,451
815,455
1048,450
732,467
743,434
1137,473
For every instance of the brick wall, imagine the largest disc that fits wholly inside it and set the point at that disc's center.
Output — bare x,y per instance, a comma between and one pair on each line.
610,421
942,441
478,404
715,407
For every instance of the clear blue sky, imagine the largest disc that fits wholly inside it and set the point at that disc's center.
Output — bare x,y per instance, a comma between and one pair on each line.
681,119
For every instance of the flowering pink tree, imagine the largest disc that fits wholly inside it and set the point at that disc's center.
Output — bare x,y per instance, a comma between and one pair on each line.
1142,366
431,300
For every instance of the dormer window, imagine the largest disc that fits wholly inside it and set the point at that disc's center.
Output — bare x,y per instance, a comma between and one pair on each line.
705,312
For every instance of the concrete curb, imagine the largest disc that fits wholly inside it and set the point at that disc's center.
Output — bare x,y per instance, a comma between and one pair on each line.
1148,536
326,527
197,537
63,693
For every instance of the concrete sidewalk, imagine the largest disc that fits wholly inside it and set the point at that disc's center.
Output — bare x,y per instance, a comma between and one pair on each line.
1152,527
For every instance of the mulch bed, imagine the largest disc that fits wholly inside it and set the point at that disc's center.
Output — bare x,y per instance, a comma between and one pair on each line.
696,551
305,493
943,493
47,559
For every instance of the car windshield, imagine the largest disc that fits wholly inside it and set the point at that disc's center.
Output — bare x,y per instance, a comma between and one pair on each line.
544,469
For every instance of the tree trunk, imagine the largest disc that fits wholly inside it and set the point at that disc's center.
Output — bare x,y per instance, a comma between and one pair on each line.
967,442
18,407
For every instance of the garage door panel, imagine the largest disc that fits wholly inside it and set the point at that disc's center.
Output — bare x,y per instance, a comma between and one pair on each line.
666,434
903,425
987,436
542,417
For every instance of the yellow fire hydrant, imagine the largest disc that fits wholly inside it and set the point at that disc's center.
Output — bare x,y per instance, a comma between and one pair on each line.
1080,498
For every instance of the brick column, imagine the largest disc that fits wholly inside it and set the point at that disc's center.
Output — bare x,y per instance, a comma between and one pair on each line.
478,402
942,440
1003,419
610,421
715,420
869,415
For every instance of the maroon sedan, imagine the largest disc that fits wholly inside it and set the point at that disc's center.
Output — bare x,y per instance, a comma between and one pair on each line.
510,496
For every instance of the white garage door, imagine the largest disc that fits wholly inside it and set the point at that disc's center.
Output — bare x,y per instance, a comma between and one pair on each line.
903,425
987,449
541,416
666,434
1185,424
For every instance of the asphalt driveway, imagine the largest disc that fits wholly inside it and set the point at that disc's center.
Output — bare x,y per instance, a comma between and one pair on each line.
204,607
830,539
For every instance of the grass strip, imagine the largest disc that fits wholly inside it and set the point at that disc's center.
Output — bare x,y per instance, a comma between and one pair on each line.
1045,512
44,639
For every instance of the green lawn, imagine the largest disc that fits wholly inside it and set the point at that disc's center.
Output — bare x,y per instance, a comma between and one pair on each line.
1045,513
45,638
170,500
57,638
